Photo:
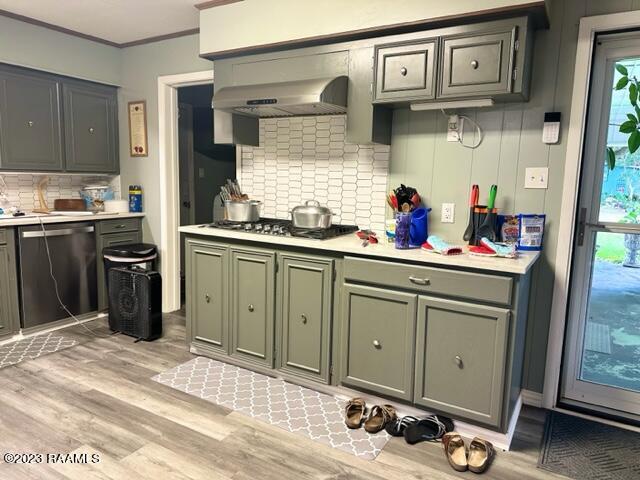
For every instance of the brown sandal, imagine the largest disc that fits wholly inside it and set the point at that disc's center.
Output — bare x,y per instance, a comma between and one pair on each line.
354,412
455,451
481,452
379,417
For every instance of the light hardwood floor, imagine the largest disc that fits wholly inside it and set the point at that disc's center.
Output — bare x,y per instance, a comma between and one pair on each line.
97,397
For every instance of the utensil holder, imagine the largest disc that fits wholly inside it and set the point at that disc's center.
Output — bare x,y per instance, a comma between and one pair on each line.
403,227
479,216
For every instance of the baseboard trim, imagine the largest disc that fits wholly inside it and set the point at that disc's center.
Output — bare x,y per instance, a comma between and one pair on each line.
59,325
531,398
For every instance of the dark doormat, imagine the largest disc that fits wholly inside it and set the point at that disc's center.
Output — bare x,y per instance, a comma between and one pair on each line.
582,449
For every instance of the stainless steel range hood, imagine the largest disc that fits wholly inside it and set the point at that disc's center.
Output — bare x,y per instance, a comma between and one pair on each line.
321,96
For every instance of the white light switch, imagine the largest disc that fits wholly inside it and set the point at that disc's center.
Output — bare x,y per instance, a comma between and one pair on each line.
536,177
448,212
201,172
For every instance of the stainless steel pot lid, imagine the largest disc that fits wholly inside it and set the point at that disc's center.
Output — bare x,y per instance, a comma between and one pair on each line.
311,207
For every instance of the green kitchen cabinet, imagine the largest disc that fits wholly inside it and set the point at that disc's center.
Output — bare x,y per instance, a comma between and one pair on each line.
478,64
207,288
91,127
304,316
252,310
9,313
378,340
130,233
30,121
461,358
405,71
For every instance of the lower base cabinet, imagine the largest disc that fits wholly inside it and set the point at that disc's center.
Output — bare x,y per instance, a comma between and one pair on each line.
460,364
379,340
9,314
207,287
252,305
304,316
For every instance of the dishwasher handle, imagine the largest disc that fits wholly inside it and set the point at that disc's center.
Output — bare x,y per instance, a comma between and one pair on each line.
57,233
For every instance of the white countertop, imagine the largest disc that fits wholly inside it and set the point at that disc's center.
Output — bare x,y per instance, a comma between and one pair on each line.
350,244
34,218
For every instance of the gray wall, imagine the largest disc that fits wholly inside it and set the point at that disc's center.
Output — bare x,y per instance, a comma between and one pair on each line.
444,172
44,49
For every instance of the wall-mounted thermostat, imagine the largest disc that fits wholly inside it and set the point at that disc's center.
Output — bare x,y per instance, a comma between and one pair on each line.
551,130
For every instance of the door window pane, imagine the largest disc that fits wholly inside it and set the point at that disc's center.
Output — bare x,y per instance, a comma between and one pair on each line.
611,350
620,199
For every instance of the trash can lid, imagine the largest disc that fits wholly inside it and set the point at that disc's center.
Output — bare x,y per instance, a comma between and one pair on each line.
131,250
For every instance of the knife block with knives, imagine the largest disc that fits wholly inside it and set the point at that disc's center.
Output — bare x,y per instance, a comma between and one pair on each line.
482,218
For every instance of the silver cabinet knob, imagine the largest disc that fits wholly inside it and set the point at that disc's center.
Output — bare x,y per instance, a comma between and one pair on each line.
304,318
250,308
458,360
403,71
30,123
91,130
474,64
377,344
207,298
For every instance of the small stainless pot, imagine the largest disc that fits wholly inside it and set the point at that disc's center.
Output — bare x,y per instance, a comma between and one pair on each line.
311,215
242,210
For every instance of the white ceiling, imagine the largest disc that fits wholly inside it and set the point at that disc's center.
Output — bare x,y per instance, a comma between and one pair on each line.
118,21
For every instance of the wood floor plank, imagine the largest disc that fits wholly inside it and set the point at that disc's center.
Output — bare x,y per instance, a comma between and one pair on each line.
106,468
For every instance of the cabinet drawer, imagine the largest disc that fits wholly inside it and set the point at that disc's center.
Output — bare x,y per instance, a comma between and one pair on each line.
477,286
405,71
477,64
3,236
305,315
379,340
119,225
460,364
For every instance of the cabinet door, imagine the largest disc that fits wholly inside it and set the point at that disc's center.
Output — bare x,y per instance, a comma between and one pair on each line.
405,72
378,340
207,301
9,316
30,126
306,289
460,361
252,305
90,121
477,64
111,240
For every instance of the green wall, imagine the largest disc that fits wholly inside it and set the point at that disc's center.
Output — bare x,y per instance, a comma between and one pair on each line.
444,172
44,49
141,67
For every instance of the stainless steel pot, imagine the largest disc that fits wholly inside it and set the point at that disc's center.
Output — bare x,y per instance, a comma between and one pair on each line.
311,215
242,210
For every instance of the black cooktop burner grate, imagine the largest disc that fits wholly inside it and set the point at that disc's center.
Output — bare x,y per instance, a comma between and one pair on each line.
280,227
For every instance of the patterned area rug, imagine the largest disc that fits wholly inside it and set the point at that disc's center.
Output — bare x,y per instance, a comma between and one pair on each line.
32,347
293,408
582,449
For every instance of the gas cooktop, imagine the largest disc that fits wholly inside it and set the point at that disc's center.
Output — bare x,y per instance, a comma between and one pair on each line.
278,227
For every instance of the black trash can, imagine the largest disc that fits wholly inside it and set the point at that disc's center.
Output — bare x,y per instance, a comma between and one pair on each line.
134,290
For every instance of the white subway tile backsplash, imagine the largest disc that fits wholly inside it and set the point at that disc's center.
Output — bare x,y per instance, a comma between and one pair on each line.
305,158
21,189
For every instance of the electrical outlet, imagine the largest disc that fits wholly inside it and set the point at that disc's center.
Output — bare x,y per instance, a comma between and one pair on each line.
200,172
448,212
453,128
536,177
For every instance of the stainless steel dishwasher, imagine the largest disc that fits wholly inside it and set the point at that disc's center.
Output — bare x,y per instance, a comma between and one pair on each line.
73,254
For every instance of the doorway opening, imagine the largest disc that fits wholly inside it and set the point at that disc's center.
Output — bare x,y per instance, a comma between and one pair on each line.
601,370
203,166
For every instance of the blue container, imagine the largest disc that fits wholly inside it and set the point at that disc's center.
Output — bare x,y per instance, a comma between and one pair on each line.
135,198
419,229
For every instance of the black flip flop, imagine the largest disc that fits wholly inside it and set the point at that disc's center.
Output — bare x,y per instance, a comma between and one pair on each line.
398,426
430,428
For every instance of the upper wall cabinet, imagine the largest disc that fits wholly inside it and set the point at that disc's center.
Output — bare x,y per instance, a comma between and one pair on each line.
90,123
482,60
50,123
30,121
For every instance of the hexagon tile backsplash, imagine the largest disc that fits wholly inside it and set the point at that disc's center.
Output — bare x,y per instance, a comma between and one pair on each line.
306,158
